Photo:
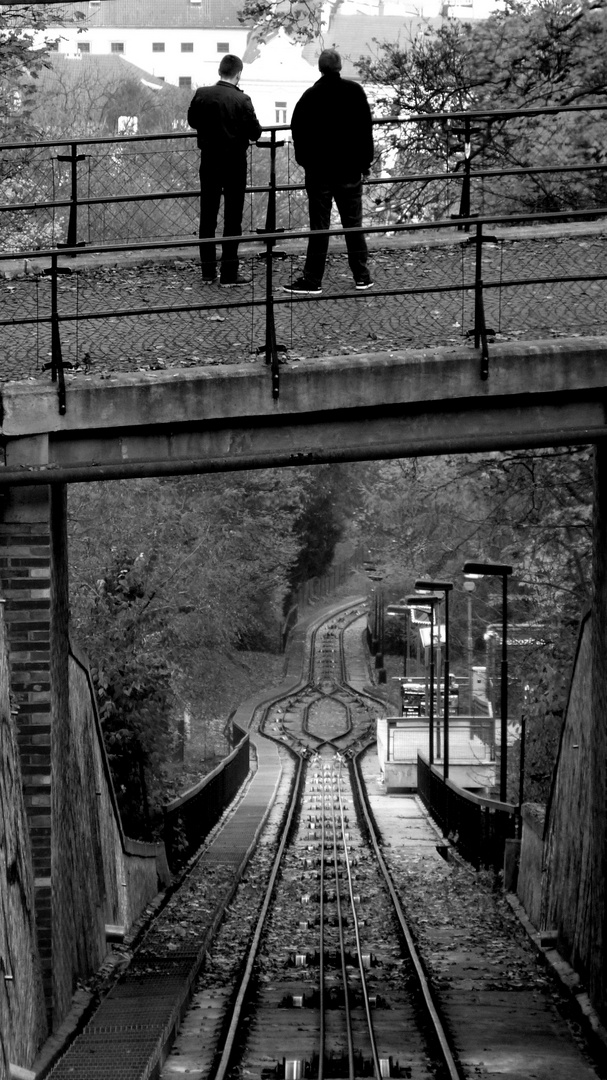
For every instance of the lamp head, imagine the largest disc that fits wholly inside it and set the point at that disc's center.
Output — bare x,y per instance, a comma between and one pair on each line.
482,569
434,586
429,600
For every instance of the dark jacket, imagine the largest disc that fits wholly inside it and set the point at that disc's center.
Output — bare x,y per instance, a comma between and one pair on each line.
332,128
224,119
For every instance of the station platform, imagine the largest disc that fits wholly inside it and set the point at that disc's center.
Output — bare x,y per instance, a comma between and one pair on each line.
510,1014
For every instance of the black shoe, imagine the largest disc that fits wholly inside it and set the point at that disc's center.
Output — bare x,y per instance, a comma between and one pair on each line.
209,280
239,280
364,284
302,288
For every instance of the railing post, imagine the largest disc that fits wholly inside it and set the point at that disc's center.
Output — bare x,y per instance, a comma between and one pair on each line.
270,226
72,226
57,374
480,330
271,346
272,349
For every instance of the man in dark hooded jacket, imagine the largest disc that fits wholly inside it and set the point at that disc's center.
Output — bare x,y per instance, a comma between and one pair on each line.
225,121
333,140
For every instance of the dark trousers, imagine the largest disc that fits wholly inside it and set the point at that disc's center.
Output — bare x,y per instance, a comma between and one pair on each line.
348,199
227,178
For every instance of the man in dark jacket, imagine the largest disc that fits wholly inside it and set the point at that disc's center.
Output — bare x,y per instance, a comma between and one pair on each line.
333,141
225,121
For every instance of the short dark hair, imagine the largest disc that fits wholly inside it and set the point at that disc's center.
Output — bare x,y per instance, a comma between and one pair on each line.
329,62
230,65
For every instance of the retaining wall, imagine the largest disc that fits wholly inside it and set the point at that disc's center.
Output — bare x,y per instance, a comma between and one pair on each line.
22,1009
117,877
568,857
529,884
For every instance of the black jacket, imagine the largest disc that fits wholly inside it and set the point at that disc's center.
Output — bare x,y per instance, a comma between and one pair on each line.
332,128
224,119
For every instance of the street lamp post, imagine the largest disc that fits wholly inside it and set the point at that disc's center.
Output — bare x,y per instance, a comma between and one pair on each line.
477,570
444,587
402,609
469,587
428,603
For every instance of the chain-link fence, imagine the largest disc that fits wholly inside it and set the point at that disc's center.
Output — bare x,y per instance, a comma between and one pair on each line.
140,304
427,168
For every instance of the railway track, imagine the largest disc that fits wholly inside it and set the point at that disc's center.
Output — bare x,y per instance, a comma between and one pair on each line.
329,985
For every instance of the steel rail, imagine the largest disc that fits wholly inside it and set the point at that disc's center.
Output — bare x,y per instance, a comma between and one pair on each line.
454,1072
230,1039
321,972
359,952
342,949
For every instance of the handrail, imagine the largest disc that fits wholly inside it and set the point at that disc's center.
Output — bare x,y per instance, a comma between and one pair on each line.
271,233
396,118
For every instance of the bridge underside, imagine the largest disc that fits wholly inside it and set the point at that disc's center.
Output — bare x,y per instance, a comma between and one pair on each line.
380,405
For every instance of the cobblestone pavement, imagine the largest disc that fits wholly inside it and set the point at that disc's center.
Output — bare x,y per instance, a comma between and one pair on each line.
228,326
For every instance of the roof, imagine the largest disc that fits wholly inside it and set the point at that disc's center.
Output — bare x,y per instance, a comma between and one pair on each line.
106,66
147,14
355,35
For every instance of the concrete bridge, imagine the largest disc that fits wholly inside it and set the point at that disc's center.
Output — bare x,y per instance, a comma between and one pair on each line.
360,407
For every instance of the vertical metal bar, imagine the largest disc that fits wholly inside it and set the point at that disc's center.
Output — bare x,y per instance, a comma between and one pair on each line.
271,347
72,225
465,199
446,691
480,330
521,775
478,278
432,684
57,374
504,695
72,229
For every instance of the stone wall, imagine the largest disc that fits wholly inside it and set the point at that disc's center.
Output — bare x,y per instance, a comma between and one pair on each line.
530,872
568,856
22,1010
99,877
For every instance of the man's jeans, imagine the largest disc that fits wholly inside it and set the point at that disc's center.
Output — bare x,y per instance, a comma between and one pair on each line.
348,199
228,179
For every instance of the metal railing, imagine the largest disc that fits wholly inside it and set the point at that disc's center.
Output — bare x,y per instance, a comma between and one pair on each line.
468,194
71,192
471,739
478,827
318,588
190,818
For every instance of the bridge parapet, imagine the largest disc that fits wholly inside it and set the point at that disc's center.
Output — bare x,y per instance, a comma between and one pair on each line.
379,405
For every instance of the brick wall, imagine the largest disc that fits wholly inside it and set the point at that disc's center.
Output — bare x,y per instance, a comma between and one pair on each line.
25,582
75,872
22,1009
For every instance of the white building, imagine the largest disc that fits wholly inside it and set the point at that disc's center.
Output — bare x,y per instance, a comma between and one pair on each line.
179,41
182,41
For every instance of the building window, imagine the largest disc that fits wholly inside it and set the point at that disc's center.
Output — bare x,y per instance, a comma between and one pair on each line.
117,46
158,46
94,3
223,46
83,46
281,112
185,81
187,46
